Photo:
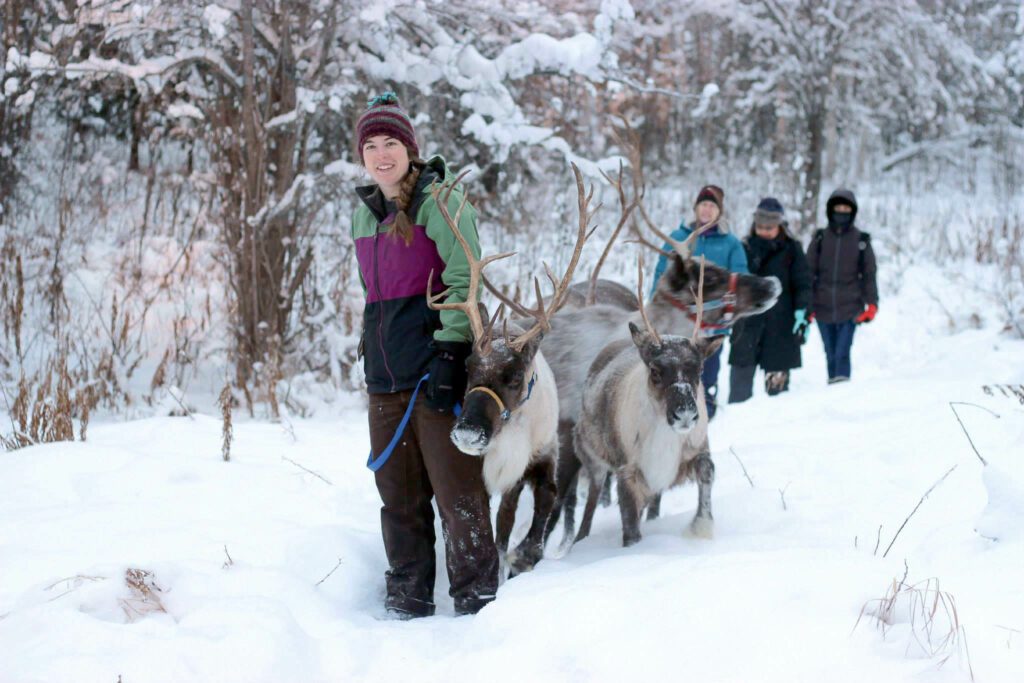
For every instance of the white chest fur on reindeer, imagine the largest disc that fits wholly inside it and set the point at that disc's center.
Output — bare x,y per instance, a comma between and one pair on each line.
659,450
531,430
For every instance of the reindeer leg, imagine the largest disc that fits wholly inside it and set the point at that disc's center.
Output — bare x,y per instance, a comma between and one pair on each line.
507,516
565,480
630,506
654,507
593,495
568,513
703,524
542,480
606,491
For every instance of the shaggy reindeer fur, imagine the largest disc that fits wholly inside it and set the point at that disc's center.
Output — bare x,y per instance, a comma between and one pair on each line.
643,417
607,292
578,336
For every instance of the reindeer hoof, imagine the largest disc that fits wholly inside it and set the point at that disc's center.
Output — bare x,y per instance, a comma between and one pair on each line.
702,527
520,562
630,540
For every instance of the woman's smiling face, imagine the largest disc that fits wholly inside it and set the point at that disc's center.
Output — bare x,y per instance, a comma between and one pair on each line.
387,161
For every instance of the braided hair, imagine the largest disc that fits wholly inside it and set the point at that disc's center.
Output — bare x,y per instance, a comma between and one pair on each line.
403,221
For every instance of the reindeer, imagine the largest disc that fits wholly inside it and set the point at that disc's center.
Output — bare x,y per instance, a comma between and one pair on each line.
510,409
643,417
578,335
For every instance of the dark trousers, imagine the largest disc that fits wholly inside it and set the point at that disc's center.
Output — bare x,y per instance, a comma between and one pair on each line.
424,465
741,382
709,378
837,338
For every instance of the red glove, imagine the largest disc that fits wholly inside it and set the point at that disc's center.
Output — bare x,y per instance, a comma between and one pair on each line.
868,315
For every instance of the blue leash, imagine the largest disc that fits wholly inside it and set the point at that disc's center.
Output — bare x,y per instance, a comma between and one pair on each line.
375,464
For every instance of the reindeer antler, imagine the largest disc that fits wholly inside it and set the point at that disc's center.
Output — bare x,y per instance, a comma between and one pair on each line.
541,315
626,210
699,303
441,193
630,141
640,297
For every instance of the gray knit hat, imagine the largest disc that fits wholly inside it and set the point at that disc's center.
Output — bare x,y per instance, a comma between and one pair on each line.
769,212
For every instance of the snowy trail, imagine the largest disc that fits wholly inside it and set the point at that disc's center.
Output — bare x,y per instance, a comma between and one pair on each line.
774,597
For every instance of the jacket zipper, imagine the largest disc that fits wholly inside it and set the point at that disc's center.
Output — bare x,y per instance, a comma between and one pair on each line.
835,276
380,318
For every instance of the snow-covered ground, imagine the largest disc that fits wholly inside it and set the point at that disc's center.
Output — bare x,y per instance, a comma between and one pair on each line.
268,572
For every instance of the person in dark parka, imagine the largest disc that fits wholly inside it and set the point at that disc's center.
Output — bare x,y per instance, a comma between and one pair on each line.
771,339
845,290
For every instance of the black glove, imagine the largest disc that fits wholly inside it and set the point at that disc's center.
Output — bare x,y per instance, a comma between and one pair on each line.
447,382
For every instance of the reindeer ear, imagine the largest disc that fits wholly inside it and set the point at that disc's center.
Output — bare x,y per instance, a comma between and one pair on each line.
708,345
639,335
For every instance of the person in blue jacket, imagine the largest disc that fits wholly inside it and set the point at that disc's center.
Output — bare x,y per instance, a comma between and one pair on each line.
719,246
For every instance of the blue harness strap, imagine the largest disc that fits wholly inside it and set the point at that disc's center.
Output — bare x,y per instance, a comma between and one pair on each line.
375,464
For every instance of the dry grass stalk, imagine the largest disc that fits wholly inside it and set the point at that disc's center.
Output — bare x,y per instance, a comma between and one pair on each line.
224,401
12,294
71,584
85,401
44,407
931,614
144,599
926,494
160,374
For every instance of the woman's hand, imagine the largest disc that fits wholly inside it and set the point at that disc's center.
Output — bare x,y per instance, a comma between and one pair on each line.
447,381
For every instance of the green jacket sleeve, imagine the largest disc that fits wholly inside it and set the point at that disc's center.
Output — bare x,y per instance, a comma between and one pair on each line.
352,234
454,324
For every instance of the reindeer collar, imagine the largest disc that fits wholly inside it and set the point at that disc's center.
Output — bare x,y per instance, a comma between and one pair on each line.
505,413
727,302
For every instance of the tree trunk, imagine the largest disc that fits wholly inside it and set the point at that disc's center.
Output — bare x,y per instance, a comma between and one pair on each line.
812,171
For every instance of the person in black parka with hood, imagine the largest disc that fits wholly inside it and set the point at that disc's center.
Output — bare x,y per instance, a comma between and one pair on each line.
772,339
843,273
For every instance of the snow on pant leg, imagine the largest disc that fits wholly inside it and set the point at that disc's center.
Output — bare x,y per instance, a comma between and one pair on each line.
464,505
709,378
829,334
741,382
406,518
843,344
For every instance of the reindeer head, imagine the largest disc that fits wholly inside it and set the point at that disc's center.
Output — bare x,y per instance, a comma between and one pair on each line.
500,381
673,373
727,296
501,373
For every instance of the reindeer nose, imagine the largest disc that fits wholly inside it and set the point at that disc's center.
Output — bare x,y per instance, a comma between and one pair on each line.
682,408
470,439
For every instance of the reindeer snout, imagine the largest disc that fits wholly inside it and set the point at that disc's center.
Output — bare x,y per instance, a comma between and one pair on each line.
773,288
470,439
682,408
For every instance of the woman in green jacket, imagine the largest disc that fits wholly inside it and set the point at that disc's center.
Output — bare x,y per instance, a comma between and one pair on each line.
400,237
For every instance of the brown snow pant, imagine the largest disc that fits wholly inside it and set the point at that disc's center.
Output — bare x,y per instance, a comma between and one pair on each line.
424,465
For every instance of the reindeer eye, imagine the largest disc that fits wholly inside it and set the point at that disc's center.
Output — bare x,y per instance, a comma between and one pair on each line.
655,374
513,379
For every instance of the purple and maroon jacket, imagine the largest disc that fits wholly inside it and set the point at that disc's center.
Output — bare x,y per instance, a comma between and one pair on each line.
398,326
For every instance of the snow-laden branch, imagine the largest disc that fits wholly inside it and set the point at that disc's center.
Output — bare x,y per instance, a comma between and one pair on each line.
150,71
